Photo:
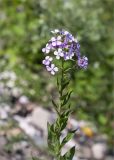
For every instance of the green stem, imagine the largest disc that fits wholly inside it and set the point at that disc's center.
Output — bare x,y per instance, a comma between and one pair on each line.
61,84
61,121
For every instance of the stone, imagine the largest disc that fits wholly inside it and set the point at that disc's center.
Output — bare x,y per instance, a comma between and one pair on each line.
3,158
3,114
99,150
3,142
84,152
40,117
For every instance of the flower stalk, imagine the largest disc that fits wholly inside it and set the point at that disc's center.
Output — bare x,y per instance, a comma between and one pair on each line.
63,111
64,47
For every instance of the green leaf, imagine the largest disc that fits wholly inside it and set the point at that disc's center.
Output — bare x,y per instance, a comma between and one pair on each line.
69,95
55,106
67,98
64,123
64,96
57,82
53,138
68,137
70,154
64,85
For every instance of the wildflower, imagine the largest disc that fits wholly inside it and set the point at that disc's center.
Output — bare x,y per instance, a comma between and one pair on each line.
52,69
55,31
68,55
63,45
83,62
56,41
70,37
59,53
47,48
47,60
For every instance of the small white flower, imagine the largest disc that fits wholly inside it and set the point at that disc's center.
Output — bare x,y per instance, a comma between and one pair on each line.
52,69
56,41
75,40
55,31
47,60
66,32
46,49
59,53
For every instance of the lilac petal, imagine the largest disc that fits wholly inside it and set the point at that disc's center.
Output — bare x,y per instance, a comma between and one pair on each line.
66,32
47,57
48,68
52,72
43,49
53,39
59,50
57,57
55,53
47,50
59,38
59,43
56,69
52,66
46,62
83,62
50,58
56,30
43,61
61,54
54,44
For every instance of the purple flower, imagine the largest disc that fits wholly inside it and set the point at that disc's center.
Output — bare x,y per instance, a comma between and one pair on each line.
83,62
47,48
63,45
56,41
52,69
47,60
68,55
70,37
76,48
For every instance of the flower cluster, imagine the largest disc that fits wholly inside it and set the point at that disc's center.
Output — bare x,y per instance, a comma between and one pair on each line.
63,45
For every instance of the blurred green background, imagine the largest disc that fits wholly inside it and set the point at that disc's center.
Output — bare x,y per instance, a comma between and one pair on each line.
25,27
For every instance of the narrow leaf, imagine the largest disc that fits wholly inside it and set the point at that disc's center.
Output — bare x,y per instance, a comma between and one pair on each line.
68,137
55,106
67,98
64,96
64,85
70,154
57,82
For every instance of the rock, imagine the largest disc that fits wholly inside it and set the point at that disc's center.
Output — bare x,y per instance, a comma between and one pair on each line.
99,150
109,158
14,132
3,114
33,132
84,152
3,142
3,158
40,117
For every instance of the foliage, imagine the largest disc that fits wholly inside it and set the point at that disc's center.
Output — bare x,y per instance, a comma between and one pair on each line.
63,110
24,29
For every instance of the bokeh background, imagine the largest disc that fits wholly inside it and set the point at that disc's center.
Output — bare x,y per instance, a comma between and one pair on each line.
25,27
